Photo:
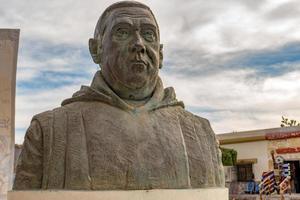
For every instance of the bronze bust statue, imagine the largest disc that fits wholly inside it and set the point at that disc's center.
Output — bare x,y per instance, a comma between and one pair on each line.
125,131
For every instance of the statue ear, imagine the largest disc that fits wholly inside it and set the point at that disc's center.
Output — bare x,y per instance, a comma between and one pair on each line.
95,50
161,56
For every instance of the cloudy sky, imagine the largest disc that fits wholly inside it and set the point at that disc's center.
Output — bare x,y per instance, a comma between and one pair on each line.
235,62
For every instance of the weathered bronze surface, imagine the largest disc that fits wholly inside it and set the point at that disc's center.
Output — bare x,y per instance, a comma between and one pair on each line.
125,131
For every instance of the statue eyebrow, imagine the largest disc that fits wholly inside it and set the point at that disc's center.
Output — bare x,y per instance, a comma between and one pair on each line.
149,25
122,23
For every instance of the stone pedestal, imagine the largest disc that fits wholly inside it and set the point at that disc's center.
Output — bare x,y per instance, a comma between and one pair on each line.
169,194
9,40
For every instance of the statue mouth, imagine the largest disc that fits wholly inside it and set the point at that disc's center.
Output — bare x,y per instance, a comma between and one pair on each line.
138,66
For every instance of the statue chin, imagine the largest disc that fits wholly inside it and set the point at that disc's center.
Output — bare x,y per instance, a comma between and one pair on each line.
136,87
136,82
135,90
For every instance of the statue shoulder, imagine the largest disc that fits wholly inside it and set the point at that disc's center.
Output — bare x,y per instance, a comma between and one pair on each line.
197,119
201,125
46,118
43,115
202,120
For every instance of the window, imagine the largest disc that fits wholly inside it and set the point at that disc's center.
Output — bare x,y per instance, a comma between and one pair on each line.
244,172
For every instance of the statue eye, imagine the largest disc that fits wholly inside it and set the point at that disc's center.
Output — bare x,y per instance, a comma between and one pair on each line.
149,35
122,33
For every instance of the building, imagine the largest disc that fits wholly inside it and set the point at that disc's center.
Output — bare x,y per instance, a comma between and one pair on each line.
254,154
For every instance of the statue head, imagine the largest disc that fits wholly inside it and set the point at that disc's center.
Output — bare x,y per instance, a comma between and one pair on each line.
127,47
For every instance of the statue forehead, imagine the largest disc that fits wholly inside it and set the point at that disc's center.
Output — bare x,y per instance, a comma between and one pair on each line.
129,10
130,13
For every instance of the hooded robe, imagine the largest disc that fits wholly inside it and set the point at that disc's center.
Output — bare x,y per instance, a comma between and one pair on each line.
97,141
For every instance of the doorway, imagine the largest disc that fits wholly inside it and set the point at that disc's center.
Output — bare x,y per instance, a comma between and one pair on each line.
295,175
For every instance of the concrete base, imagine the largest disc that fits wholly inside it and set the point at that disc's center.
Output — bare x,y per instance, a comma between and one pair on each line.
167,194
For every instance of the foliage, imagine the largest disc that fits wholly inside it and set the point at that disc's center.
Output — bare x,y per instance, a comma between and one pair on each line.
285,122
229,156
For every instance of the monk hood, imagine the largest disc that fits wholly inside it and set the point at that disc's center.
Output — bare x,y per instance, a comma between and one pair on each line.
100,91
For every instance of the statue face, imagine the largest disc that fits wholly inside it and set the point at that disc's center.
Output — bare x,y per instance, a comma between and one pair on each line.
131,52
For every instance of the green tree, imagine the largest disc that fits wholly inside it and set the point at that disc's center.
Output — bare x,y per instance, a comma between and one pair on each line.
285,122
229,156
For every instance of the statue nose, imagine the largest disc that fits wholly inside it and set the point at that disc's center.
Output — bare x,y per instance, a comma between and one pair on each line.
138,45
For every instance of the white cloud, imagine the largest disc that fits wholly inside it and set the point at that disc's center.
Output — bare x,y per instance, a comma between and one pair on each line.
226,26
286,86
216,26
238,100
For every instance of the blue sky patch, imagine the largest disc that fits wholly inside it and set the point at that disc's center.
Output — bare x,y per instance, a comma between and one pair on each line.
49,80
271,62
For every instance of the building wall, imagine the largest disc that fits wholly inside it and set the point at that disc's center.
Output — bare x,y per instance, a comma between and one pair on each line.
284,143
252,150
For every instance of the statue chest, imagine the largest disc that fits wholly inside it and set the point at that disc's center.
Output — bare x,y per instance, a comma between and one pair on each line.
135,150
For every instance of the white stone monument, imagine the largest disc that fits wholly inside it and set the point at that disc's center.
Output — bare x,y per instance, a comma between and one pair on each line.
9,40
